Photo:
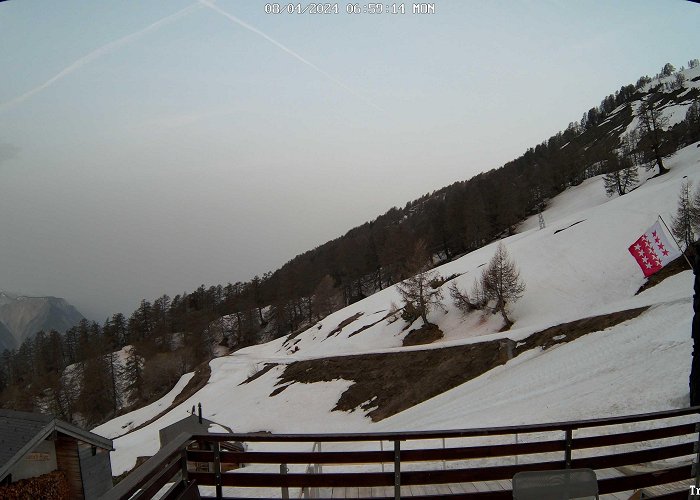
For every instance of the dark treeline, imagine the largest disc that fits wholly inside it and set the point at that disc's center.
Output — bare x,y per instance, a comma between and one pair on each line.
168,337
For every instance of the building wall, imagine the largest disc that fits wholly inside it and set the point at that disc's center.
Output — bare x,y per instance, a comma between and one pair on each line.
96,470
41,460
68,461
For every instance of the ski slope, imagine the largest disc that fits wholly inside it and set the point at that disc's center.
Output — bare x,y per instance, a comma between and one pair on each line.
578,266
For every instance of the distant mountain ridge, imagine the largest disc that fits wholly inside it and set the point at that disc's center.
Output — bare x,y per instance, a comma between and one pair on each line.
21,317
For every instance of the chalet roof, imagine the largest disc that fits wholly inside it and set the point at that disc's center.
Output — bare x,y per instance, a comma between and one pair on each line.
190,425
21,431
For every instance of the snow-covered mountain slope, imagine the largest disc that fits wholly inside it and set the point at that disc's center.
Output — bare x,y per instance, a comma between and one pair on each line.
673,107
577,267
24,316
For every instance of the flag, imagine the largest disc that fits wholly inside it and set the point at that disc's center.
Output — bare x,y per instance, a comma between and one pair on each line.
652,251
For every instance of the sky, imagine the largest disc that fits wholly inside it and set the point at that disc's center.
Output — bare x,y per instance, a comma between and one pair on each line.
150,146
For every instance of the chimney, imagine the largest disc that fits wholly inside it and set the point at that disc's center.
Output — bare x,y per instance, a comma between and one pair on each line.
199,405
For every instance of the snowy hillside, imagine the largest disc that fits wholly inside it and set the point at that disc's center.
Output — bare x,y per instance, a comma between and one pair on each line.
577,267
675,110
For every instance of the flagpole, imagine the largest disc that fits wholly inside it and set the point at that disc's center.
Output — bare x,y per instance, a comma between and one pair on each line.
676,242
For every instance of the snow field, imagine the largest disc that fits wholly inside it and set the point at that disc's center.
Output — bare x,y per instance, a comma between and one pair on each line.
638,366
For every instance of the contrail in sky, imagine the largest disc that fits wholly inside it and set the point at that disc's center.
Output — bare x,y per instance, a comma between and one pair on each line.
289,51
96,54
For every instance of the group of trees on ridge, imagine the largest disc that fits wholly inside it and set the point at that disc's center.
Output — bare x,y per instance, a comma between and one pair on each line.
498,286
172,336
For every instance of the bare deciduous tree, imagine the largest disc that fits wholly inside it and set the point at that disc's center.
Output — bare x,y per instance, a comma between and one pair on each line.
682,224
417,291
325,298
651,127
463,301
621,177
692,118
501,283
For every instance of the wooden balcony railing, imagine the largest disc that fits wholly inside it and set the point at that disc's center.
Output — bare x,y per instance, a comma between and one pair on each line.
642,451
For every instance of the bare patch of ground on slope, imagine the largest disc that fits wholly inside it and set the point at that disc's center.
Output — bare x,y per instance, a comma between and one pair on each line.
388,383
566,332
677,266
345,323
259,373
426,334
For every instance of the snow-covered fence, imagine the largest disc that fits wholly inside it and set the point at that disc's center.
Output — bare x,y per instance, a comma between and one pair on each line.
628,453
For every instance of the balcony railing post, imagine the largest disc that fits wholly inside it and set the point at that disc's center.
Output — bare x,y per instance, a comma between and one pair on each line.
696,467
444,465
397,470
381,448
567,448
183,464
285,489
217,470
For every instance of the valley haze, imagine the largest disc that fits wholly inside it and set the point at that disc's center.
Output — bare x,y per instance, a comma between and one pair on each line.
149,147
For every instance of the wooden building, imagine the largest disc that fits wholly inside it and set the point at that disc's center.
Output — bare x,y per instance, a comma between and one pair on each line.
33,446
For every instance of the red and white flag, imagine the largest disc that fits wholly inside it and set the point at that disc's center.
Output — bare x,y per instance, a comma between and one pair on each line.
652,251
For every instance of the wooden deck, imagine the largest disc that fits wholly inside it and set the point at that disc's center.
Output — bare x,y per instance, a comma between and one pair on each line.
445,489
664,489
484,486
461,488
502,485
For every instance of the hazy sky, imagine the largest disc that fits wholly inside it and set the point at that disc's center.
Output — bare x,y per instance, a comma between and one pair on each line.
150,146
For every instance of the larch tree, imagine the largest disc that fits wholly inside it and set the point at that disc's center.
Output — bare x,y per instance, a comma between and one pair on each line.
682,225
463,301
325,298
95,400
651,127
622,172
679,81
133,374
695,212
110,338
622,175
500,283
692,118
418,291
